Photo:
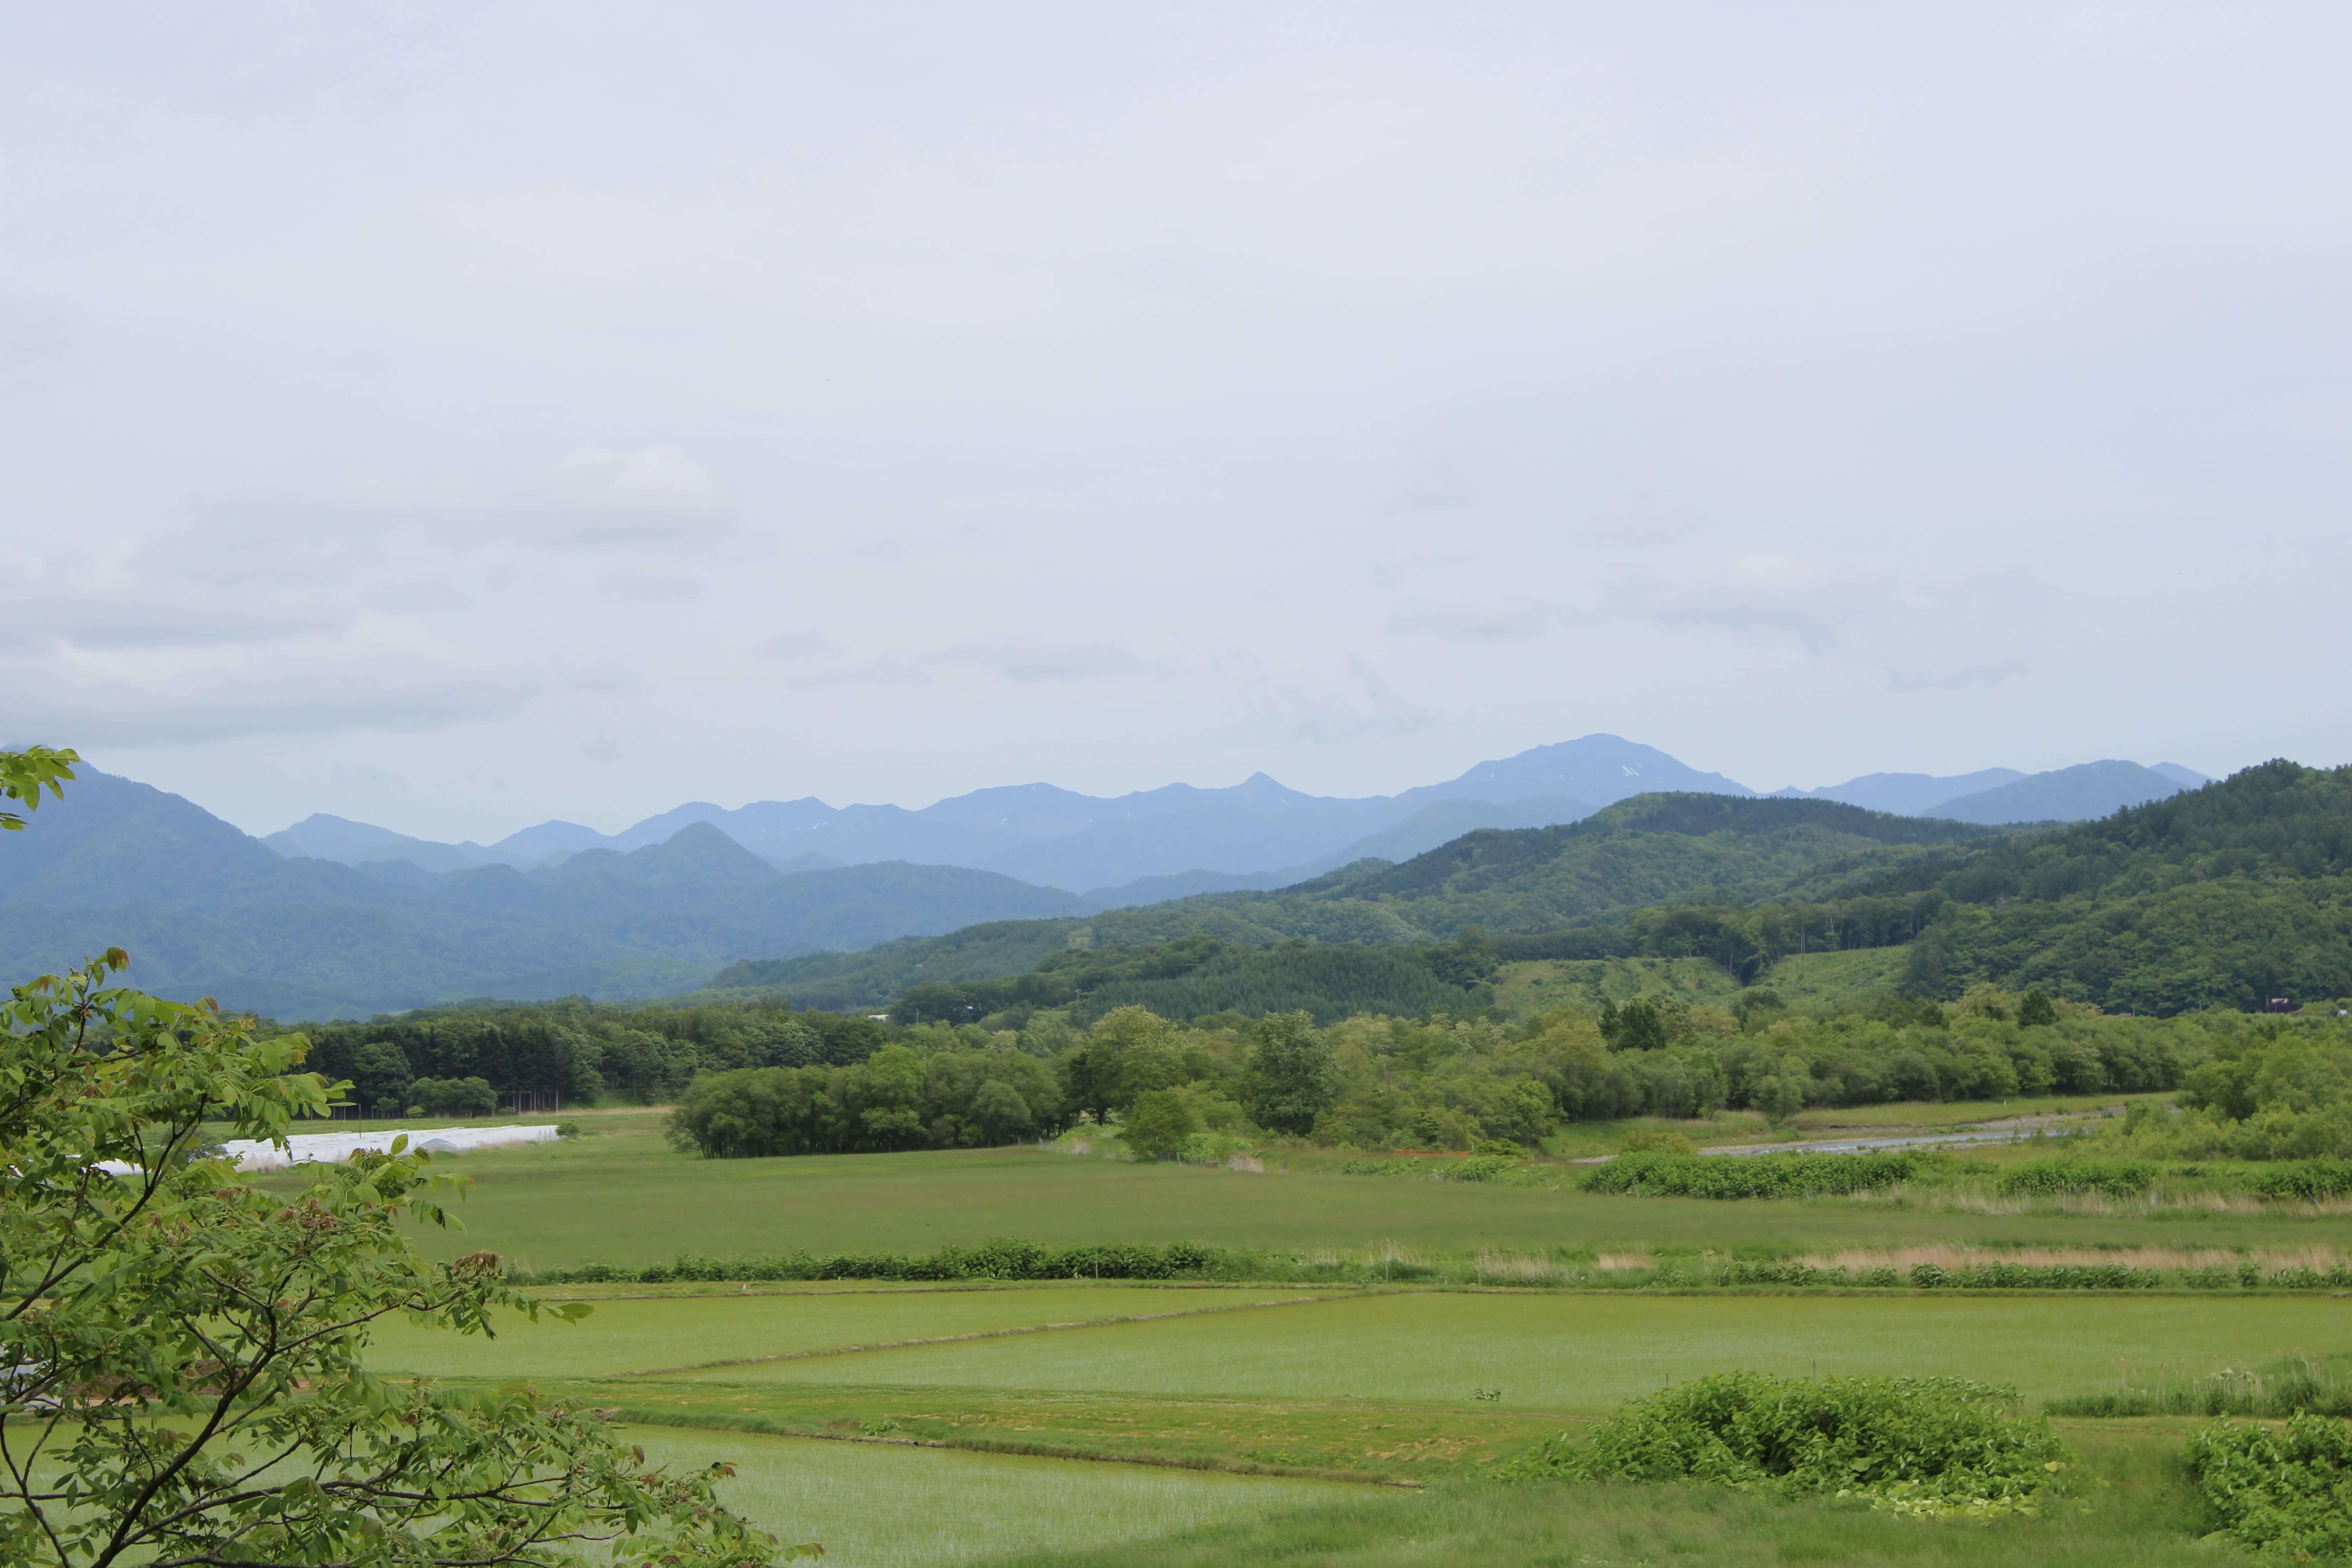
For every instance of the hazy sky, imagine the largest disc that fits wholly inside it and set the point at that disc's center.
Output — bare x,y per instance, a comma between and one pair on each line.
458,415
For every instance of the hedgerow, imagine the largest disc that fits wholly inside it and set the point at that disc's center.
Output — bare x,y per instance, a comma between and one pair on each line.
2310,1180
1183,1261
1002,1259
2055,1178
1931,1447
1761,1176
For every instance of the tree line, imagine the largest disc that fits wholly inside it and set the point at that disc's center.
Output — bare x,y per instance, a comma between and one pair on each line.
1447,1081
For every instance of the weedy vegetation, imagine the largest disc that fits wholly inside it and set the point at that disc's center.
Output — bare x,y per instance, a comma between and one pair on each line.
1932,1447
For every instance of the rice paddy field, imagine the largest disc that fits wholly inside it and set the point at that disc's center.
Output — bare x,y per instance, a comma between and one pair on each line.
1075,1423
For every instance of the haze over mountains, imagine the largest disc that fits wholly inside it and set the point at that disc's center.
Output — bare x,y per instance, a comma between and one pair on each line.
1178,839
337,918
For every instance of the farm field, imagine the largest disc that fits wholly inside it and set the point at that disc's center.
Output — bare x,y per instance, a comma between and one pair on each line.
2138,1514
1379,1386
887,1506
1584,1353
625,1197
625,1335
1070,1423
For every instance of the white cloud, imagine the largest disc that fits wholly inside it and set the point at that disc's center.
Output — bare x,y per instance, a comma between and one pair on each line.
651,584
1330,707
1471,622
1054,661
657,481
1001,395
1019,662
797,645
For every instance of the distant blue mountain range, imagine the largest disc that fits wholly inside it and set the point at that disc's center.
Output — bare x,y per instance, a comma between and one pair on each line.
1179,840
344,918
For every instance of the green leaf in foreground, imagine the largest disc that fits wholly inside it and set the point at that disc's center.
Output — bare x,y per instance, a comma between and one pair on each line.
23,774
1932,1447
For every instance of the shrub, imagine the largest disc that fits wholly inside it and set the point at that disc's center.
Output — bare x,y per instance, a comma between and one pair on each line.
2310,1180
2036,1277
2294,1385
1210,1148
1927,1446
2282,1490
1749,1176
2053,1178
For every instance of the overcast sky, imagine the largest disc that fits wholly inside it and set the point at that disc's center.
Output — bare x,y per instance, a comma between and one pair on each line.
453,416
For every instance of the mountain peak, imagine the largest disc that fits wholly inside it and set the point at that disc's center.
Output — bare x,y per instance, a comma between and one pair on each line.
1599,768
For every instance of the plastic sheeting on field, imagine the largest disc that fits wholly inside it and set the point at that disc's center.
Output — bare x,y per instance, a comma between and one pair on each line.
307,1148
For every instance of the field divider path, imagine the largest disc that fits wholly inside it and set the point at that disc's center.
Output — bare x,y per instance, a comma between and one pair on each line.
671,1421
831,1351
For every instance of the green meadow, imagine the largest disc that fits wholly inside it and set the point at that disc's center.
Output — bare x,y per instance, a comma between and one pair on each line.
1585,1354
878,1505
623,1195
629,1336
2136,1512
1078,1423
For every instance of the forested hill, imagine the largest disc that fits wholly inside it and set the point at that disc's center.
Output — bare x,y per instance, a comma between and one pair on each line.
1615,857
2224,896
1653,849
2279,820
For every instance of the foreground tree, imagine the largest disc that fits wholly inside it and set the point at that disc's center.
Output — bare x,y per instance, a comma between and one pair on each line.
182,1376
23,774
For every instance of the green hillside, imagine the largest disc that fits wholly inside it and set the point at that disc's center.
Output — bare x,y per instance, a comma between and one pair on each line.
1655,849
1652,850
2222,895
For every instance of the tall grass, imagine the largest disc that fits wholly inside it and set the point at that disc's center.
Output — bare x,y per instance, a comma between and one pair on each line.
2291,1385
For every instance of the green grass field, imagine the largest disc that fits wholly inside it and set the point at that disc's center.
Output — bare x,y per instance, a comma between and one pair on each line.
627,1335
627,1197
1083,1442
1075,1424
2135,1511
875,1506
1584,1353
